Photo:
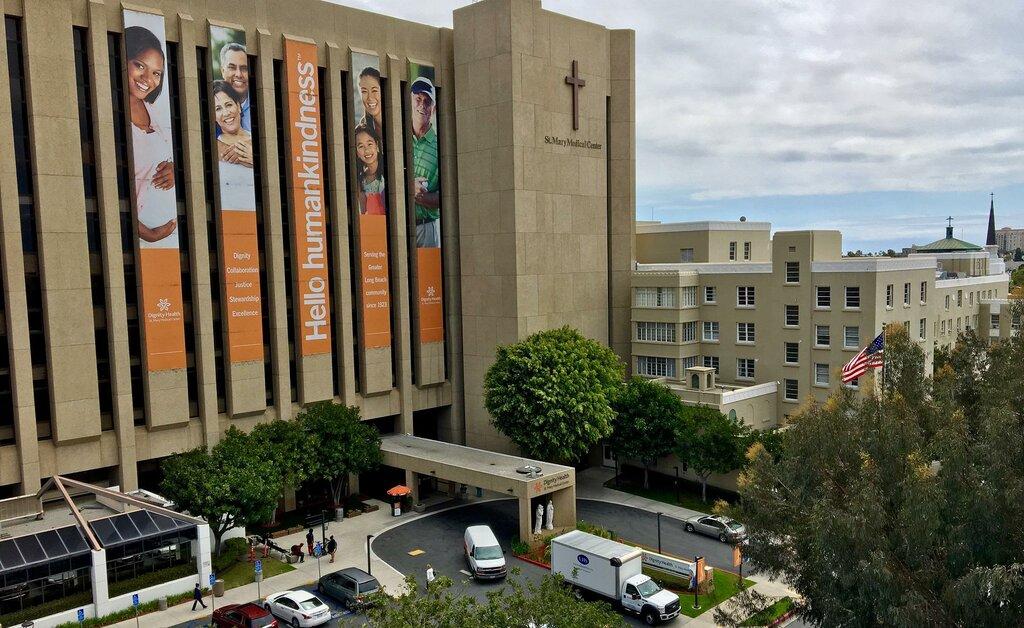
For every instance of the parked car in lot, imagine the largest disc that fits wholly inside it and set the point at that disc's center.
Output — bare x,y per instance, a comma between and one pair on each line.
350,586
301,609
243,616
484,555
722,528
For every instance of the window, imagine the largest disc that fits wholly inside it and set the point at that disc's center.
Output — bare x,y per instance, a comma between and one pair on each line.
746,250
710,294
792,353
924,292
959,324
732,251
959,298
745,296
745,368
853,297
685,255
655,367
655,297
821,374
822,336
792,272
851,336
994,321
947,301
688,296
655,332
824,296
888,295
711,331
943,328
792,390
1015,321
711,362
792,315
853,383
922,328
690,331
906,294
744,332
970,298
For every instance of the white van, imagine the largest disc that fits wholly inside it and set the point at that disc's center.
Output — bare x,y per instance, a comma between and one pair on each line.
484,555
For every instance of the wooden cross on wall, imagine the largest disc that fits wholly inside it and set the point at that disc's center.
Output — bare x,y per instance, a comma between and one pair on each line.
577,84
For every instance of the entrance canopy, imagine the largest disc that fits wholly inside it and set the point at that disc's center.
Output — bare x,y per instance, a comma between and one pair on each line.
514,476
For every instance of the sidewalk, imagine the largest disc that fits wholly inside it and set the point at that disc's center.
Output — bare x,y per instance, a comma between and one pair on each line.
351,537
590,485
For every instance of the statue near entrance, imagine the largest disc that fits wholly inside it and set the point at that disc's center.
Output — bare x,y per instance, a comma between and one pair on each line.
549,520
539,522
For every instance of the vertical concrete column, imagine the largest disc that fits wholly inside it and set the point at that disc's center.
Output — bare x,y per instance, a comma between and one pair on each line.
202,551
110,231
199,247
60,222
13,269
341,288
412,481
564,501
100,593
525,514
273,230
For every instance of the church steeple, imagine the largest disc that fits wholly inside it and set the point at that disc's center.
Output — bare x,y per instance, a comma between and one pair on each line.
990,240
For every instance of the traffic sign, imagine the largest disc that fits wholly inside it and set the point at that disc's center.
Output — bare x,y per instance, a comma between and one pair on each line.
318,550
258,566
212,579
135,599
81,615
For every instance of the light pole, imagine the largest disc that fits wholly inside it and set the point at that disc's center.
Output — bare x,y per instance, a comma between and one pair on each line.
696,584
677,484
368,537
659,532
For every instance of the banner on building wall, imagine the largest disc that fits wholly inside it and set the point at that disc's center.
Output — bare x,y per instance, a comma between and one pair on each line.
229,95
153,197
426,193
312,296
368,138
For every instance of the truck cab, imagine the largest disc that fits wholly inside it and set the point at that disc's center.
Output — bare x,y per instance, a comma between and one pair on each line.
643,597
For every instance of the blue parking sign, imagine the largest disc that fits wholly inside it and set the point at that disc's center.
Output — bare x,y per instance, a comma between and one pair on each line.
212,578
258,566
135,599
81,615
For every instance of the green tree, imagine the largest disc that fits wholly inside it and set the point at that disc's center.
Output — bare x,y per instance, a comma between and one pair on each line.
233,485
338,444
647,416
710,442
286,444
551,393
549,603
887,511
1017,277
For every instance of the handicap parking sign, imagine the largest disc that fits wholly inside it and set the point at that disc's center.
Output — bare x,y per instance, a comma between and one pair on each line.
81,615
318,550
258,566
212,578
135,599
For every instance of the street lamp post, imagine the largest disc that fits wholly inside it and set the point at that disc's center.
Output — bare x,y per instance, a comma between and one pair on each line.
659,532
368,537
696,584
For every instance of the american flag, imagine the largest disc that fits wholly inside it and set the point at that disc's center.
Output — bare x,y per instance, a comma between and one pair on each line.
870,357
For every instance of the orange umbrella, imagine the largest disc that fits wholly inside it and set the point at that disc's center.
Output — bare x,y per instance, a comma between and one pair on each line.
398,491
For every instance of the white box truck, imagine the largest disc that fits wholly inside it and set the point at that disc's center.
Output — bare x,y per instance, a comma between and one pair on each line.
613,570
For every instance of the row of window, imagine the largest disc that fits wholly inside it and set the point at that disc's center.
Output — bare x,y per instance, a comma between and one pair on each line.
733,248
971,294
747,332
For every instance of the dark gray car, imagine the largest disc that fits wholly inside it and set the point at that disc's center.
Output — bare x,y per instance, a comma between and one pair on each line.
350,586
724,529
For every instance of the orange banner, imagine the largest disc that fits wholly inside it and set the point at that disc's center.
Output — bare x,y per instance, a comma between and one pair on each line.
428,271
368,137
229,62
312,296
153,198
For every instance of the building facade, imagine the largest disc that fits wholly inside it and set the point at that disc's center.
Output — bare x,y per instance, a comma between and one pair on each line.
1009,240
794,317
214,214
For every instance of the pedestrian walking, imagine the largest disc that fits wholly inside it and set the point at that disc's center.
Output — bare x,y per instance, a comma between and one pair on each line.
332,546
309,541
197,597
430,576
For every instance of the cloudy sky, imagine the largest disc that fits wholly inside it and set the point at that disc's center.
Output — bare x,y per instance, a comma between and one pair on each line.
875,117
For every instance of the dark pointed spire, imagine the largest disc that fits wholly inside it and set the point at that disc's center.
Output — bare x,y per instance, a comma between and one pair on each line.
990,240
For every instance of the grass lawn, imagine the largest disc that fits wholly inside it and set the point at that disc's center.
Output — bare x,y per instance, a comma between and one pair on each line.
726,586
240,572
688,497
769,614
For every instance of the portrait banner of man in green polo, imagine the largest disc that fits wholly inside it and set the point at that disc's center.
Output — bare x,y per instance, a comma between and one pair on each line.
426,198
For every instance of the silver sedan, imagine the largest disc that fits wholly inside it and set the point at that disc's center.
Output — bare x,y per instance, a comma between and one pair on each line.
724,529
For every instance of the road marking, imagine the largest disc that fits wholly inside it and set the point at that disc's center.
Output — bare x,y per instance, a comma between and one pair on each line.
416,552
464,572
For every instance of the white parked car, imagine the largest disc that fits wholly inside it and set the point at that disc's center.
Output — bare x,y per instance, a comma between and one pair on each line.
301,609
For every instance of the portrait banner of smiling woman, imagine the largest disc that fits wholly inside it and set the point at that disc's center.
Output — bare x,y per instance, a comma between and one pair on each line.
426,200
153,194
236,190
371,192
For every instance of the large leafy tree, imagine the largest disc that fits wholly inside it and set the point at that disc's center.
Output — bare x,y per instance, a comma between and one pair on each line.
895,511
551,393
709,442
647,417
549,603
338,444
287,445
233,485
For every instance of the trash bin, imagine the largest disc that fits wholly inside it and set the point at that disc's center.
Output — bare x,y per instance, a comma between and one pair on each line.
396,508
161,603
218,588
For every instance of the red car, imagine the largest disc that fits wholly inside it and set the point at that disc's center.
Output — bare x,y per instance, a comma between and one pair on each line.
243,616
